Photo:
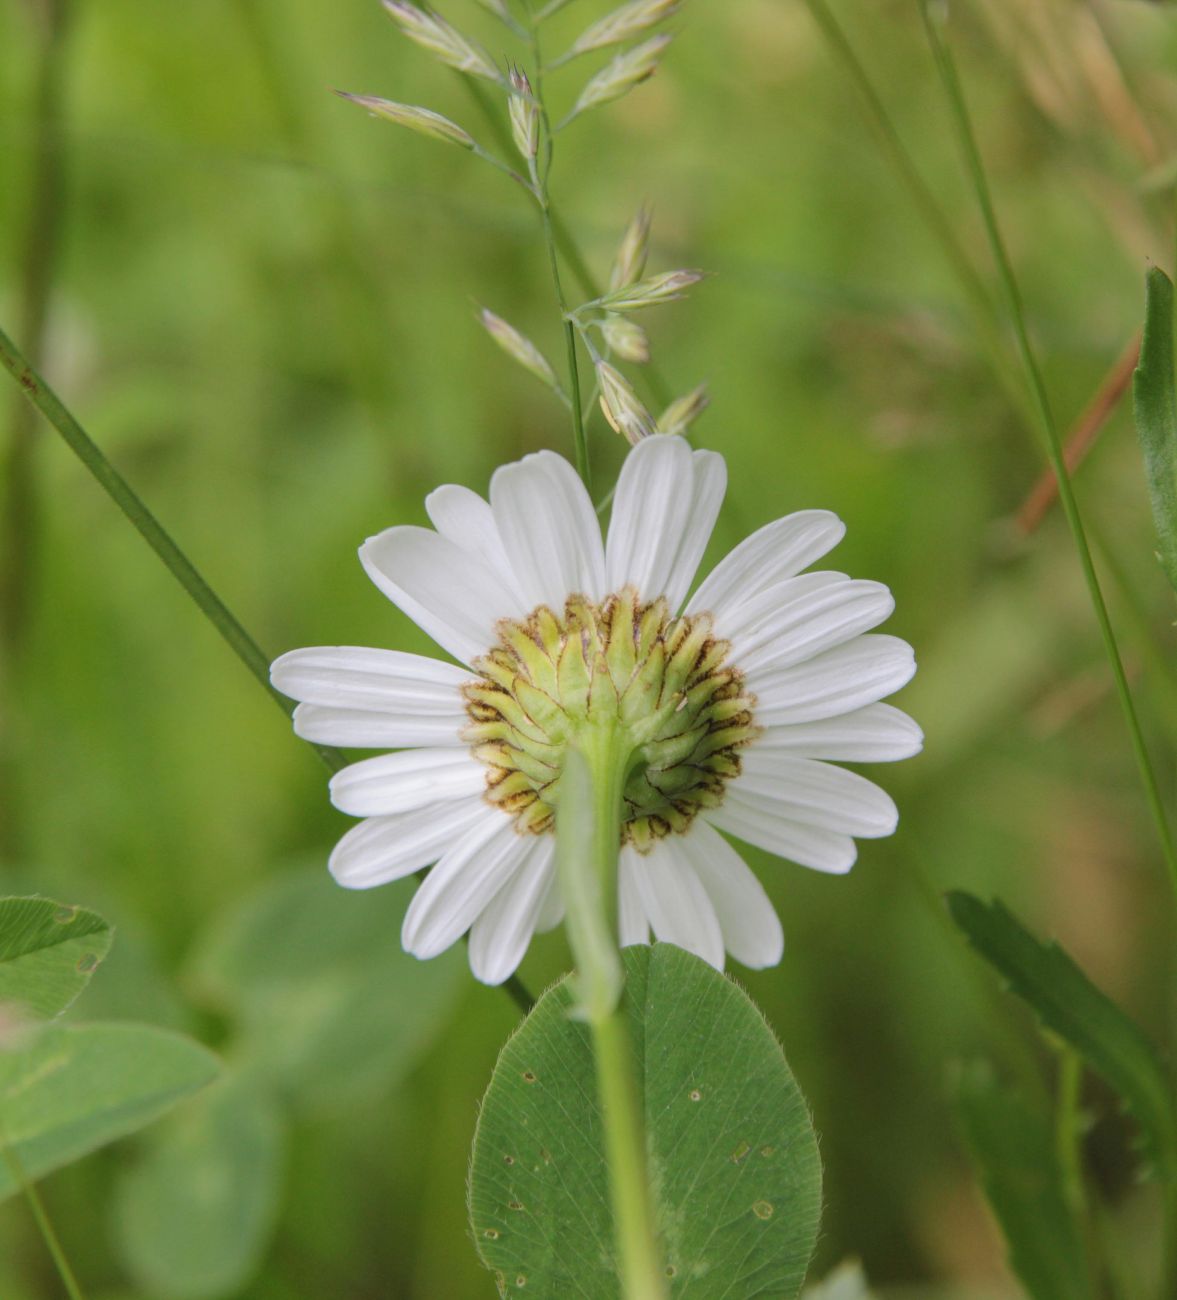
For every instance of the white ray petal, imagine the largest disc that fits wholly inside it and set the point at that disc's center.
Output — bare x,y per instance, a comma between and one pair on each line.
878,733
632,925
501,932
808,845
663,512
354,695
773,553
464,881
549,530
751,929
802,617
448,592
358,677
381,849
368,729
464,517
674,899
551,910
818,794
859,672
710,483
411,778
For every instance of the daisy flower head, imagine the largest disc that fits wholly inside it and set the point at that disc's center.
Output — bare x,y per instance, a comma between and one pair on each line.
734,705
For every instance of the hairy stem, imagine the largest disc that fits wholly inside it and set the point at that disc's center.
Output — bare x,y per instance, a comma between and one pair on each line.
1046,421
588,824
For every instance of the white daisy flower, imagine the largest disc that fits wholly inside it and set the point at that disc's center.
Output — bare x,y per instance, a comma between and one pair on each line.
736,705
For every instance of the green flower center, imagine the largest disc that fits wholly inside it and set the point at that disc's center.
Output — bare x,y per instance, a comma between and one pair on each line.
681,710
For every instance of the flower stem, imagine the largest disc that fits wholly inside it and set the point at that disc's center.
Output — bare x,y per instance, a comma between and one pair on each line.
587,844
44,1223
1053,443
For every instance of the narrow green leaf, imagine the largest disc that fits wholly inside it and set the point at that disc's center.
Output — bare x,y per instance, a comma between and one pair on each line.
1067,1003
48,951
736,1173
194,1216
1013,1147
71,1089
327,1002
1156,413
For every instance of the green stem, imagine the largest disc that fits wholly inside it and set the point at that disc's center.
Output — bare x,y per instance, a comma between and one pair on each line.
1053,442
150,529
36,256
587,846
1068,1131
642,1272
925,202
44,1224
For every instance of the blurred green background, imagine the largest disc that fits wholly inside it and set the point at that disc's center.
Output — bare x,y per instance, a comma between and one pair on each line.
260,305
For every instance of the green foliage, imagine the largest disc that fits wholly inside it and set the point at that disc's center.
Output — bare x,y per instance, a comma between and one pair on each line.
1156,413
194,1215
1014,1150
326,1007
68,1090
263,316
1068,1004
733,1154
326,1002
48,951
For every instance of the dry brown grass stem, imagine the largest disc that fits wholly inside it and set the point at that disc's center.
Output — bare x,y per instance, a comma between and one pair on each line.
1081,437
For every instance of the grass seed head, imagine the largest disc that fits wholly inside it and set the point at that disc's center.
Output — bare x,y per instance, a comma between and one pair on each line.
630,261
424,120
620,75
518,346
622,23
443,40
626,338
684,411
621,405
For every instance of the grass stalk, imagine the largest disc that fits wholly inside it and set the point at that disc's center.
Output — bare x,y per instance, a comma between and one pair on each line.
541,178
37,251
44,1224
958,111
149,528
934,218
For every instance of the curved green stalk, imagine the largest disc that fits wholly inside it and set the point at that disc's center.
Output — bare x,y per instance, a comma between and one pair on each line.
149,528
1053,442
